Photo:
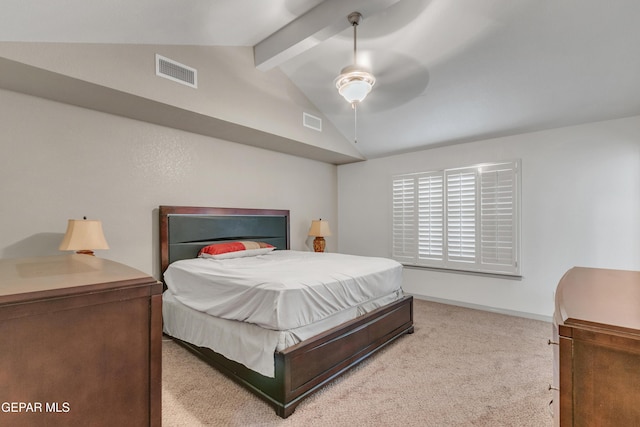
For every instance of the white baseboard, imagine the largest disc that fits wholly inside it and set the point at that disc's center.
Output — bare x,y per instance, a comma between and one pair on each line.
524,314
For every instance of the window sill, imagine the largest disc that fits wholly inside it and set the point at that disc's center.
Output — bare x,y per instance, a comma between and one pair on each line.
467,272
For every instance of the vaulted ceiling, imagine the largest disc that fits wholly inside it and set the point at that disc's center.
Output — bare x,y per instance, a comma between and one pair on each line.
447,71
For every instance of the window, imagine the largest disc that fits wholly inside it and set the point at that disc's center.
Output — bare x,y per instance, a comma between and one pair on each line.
460,219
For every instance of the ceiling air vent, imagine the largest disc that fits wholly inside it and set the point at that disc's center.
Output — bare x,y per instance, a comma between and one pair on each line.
312,122
176,71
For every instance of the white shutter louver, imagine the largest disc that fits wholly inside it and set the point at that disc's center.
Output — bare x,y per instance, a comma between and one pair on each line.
497,210
404,223
430,217
461,215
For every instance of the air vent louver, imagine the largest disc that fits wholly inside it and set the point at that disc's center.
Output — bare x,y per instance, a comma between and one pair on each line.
312,122
176,71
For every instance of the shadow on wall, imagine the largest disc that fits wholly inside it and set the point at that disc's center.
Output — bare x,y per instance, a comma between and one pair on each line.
40,244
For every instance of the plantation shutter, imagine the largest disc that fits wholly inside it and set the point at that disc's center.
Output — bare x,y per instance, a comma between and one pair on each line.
430,217
461,219
461,215
497,212
404,219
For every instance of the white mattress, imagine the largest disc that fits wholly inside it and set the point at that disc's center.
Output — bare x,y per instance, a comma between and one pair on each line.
246,343
282,290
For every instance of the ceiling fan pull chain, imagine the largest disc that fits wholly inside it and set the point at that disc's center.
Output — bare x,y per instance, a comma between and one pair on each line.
355,122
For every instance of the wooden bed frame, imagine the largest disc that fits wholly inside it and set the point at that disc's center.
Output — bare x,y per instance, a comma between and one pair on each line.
302,369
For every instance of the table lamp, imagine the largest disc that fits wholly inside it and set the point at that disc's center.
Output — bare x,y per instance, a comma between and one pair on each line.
319,229
83,236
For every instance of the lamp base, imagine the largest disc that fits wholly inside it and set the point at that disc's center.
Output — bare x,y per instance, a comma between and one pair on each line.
319,244
86,252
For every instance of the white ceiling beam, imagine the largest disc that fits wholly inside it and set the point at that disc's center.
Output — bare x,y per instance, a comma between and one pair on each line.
323,21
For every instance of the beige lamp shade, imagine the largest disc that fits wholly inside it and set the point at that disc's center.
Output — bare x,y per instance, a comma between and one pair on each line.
319,228
83,236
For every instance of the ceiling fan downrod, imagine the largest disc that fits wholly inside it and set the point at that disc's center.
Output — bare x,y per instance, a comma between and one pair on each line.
355,18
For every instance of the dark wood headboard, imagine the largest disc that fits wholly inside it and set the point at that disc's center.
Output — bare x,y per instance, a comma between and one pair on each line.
184,230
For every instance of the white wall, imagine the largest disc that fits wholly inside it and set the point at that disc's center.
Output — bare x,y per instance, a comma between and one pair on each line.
580,207
581,193
60,162
230,88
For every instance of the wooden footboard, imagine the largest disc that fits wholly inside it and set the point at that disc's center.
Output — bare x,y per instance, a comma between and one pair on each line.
302,369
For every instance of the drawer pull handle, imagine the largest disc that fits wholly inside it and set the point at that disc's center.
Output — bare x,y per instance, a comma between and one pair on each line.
553,388
549,342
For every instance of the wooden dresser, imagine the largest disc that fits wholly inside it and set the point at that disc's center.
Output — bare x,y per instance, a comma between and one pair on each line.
597,359
80,343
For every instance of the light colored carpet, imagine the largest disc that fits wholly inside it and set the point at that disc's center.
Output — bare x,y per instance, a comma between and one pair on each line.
461,367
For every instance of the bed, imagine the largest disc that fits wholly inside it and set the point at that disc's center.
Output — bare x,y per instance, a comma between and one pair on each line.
322,352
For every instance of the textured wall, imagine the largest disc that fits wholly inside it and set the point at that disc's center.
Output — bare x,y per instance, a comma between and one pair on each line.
60,162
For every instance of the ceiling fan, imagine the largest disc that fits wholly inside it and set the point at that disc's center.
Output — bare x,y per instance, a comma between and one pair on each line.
355,82
399,77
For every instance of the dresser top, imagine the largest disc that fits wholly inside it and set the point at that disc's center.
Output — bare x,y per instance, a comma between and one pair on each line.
56,275
602,296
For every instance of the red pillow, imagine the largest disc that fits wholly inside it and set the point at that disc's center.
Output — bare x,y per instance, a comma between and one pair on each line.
235,249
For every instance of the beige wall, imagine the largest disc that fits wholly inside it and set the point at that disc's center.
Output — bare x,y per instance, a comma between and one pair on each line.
230,88
580,184
580,207
60,162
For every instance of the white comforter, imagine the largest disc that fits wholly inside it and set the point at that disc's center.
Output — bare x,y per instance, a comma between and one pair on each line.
283,289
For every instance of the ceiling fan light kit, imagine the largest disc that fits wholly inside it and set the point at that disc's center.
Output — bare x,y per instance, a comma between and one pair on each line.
354,82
